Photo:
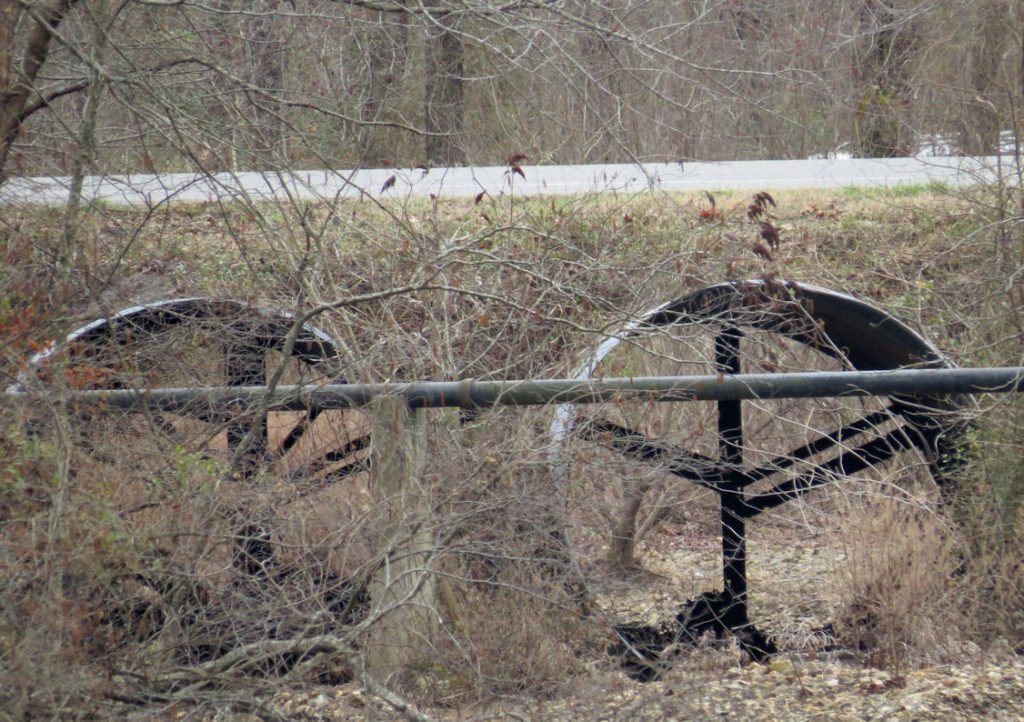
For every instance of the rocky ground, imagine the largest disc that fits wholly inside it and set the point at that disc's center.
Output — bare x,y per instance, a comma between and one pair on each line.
784,689
797,585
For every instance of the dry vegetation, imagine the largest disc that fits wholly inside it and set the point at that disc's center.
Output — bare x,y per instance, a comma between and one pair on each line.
146,570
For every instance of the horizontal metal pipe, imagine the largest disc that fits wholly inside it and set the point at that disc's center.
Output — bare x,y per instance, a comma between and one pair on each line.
477,394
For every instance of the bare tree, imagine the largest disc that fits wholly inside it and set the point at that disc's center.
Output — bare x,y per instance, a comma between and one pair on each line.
882,69
444,96
990,33
266,48
25,39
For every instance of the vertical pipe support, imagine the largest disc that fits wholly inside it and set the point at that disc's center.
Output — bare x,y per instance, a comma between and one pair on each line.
731,495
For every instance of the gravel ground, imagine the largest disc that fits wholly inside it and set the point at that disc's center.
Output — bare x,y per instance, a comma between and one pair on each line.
781,690
719,683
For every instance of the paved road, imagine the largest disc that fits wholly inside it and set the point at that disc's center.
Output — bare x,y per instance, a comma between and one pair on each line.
138,190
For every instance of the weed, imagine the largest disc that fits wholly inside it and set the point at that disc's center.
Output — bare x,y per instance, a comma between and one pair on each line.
134,558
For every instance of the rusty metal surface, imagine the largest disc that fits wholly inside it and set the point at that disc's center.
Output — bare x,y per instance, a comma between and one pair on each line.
266,327
866,335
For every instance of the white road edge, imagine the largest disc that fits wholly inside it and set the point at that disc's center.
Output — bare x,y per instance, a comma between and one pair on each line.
154,190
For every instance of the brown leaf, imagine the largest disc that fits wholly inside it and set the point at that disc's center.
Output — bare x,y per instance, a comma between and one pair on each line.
479,197
759,205
516,158
86,378
770,234
388,183
761,250
516,169
711,198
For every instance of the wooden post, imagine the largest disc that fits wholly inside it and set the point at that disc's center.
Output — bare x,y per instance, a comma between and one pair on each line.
403,589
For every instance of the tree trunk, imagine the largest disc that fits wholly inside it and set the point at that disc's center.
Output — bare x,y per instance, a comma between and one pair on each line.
980,133
266,46
751,23
386,57
444,106
622,547
403,589
882,73
17,87
602,90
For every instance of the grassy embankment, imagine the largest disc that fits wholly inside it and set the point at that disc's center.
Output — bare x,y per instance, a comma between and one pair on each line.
116,541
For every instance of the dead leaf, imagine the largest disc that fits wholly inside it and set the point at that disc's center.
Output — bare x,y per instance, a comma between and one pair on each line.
770,234
761,250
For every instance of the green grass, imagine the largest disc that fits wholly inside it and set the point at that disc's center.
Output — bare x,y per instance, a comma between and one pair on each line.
897,191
